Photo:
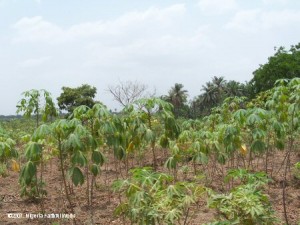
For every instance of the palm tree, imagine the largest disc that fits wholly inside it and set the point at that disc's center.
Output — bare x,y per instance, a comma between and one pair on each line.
210,95
214,91
218,81
213,94
220,84
178,97
234,88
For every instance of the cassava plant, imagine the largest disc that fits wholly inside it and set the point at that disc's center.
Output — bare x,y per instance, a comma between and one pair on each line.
296,170
33,185
284,102
149,197
38,103
8,153
85,150
245,204
156,114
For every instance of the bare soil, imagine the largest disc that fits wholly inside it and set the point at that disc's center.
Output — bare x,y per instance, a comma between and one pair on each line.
105,201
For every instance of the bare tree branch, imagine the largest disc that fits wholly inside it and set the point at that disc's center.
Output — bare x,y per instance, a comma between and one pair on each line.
127,92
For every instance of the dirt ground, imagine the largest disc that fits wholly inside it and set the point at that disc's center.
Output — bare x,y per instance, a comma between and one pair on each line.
104,201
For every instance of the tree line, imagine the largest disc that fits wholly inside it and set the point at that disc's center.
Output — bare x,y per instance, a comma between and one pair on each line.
283,64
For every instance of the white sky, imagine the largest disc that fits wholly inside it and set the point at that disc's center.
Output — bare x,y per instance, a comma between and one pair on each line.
47,44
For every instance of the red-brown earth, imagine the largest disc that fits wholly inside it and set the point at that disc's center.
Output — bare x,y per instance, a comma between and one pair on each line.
105,201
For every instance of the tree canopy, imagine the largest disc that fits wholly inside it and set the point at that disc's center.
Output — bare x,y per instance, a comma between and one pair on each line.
284,64
70,98
177,97
214,93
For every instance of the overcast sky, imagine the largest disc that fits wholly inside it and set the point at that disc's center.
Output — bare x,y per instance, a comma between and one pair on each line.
47,44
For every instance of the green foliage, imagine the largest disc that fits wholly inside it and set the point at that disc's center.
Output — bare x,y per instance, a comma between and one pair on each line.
150,198
33,151
258,179
17,129
71,98
98,157
231,136
178,98
214,94
28,172
296,170
3,170
7,149
31,186
76,176
38,103
245,204
284,64
149,119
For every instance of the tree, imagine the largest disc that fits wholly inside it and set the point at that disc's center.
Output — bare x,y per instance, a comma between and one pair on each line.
237,89
214,94
127,92
177,97
210,95
71,98
214,91
284,64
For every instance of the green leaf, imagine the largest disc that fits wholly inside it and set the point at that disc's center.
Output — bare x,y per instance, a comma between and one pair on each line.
252,119
79,158
279,129
279,144
173,215
258,133
149,136
222,157
95,169
80,111
164,141
33,151
76,176
119,152
61,128
171,163
41,132
96,124
10,142
74,142
200,157
240,115
81,131
98,157
258,146
28,172
4,147
100,110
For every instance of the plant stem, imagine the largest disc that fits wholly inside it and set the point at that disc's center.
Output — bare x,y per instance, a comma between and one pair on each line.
64,178
87,185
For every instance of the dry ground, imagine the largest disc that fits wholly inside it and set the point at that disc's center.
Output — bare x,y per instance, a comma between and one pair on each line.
105,201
